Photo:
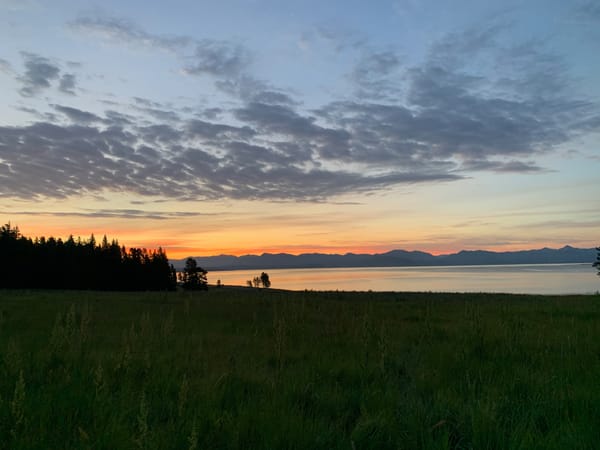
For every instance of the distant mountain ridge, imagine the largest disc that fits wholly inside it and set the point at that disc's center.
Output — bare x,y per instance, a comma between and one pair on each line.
394,258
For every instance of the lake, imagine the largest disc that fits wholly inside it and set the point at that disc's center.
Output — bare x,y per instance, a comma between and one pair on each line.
524,278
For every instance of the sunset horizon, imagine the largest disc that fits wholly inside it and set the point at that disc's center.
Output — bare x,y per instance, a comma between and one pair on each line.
174,251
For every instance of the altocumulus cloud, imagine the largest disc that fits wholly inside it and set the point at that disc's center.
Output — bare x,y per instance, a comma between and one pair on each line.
40,73
196,160
460,110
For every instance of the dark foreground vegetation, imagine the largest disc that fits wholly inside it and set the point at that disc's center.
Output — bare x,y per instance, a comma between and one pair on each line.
52,263
266,369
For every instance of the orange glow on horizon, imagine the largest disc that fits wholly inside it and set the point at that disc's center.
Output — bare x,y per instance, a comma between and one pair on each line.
184,252
181,244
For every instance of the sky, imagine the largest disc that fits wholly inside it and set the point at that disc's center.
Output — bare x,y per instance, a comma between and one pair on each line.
251,126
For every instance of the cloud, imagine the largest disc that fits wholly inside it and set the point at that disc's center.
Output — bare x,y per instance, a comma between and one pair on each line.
458,49
227,62
502,166
278,119
339,40
218,58
376,64
472,101
472,105
211,113
110,213
196,160
119,30
161,114
564,224
119,119
77,115
39,73
209,131
5,67
374,73
209,56
589,11
67,83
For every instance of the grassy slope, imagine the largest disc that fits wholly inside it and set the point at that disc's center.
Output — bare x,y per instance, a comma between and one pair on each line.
267,369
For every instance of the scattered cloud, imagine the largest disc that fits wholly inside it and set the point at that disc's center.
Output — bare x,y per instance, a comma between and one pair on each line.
225,61
67,83
374,73
119,30
339,40
209,56
473,104
39,73
589,10
459,49
218,58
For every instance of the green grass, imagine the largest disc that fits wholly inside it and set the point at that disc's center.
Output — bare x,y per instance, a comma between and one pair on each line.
249,368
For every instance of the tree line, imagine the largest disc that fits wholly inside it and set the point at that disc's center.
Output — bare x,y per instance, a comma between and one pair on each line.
80,264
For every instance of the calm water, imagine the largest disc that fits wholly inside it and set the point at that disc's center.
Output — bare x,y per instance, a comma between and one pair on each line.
529,279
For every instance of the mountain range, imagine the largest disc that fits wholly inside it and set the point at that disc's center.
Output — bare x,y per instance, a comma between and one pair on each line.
394,258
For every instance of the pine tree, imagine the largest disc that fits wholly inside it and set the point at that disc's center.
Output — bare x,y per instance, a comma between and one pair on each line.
194,277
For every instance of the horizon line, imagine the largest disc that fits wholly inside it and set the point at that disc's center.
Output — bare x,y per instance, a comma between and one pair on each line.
388,251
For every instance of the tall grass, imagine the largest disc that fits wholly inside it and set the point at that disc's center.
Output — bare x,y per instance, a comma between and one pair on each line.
264,369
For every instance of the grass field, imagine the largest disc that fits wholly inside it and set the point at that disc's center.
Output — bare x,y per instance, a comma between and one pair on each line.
266,369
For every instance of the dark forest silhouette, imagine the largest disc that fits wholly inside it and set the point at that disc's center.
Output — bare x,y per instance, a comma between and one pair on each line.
80,264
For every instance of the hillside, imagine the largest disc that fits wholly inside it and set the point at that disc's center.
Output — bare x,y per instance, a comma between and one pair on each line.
394,258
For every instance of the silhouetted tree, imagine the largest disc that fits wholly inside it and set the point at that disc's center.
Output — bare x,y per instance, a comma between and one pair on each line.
264,279
597,263
8,232
257,282
77,264
194,277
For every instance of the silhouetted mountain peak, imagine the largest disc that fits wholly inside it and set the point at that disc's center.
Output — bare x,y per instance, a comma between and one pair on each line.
395,258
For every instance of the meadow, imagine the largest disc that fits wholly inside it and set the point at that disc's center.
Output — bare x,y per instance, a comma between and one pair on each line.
266,369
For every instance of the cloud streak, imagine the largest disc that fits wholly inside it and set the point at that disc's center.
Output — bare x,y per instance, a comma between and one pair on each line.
110,214
208,56
119,30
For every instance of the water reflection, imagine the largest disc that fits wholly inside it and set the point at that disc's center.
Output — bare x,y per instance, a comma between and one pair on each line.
530,279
